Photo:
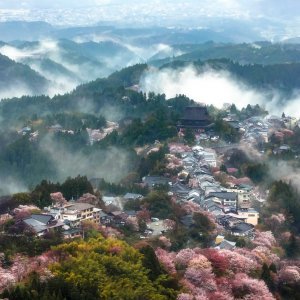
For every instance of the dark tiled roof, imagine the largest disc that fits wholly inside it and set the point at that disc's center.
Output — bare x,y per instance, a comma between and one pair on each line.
196,113
227,245
223,195
242,227
44,219
180,188
156,180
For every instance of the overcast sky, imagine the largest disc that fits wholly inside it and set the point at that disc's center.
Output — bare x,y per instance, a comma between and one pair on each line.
93,11
263,7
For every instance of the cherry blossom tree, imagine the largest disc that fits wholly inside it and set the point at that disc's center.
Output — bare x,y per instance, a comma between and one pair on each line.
201,278
133,223
200,262
169,224
265,238
219,295
275,221
289,275
264,255
166,243
244,287
88,198
22,214
58,199
183,258
144,215
184,296
218,260
239,263
24,211
166,259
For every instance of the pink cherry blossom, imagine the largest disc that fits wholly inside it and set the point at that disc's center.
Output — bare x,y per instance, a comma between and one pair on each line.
183,257
289,275
244,287
265,238
166,259
58,198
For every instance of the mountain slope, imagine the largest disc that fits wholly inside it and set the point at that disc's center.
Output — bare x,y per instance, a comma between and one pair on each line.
16,75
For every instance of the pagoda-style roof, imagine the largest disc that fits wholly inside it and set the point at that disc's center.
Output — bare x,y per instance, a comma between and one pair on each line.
196,113
195,117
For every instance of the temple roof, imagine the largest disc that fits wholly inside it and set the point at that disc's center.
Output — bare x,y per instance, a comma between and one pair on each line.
196,113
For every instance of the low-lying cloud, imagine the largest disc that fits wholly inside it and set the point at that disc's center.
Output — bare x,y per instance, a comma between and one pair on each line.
215,88
112,164
66,66
211,87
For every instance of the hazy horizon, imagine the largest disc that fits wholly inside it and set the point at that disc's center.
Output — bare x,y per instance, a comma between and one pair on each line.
274,19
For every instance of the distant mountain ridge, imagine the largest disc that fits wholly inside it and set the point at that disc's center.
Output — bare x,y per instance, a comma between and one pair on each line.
284,77
264,53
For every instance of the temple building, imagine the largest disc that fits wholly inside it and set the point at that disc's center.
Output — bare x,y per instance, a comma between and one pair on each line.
195,117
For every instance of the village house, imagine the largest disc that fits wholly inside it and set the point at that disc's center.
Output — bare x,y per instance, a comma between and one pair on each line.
221,243
40,224
118,217
250,215
228,199
243,230
105,219
155,181
236,225
209,156
76,212
72,233
180,190
243,197
132,196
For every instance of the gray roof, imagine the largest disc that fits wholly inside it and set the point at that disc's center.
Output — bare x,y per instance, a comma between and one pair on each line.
44,219
132,196
242,227
35,225
226,245
223,195
156,180
79,206
213,207
180,188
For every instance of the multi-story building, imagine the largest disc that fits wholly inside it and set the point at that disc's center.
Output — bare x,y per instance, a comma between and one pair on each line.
243,197
250,215
77,212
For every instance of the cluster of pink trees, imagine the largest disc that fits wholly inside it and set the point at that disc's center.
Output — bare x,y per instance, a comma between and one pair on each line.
167,260
275,221
289,275
22,266
244,287
24,211
265,239
221,274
